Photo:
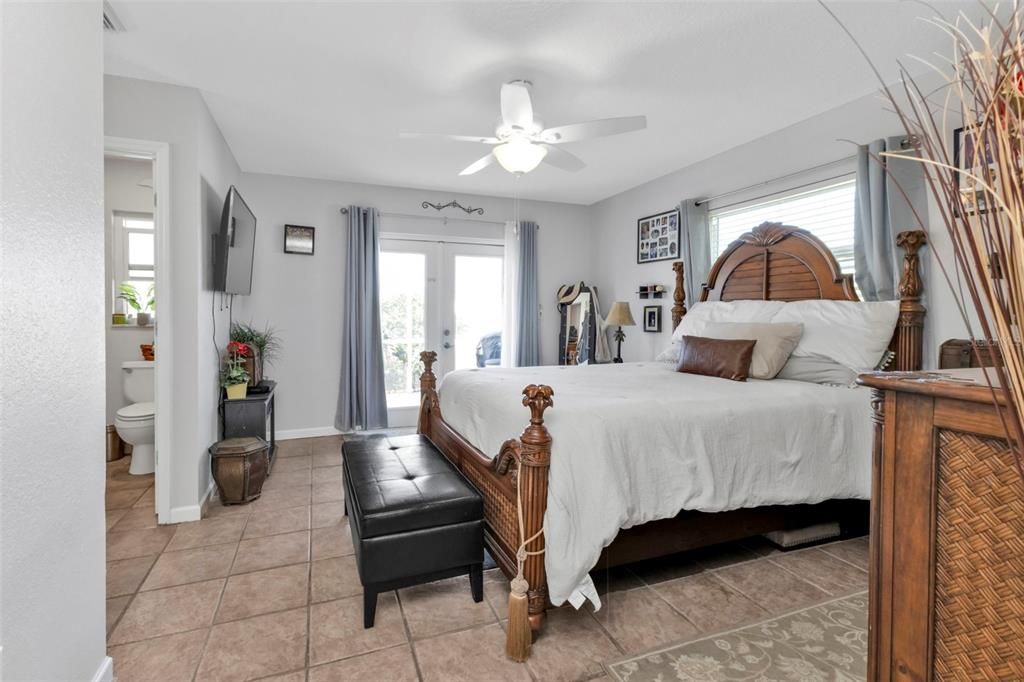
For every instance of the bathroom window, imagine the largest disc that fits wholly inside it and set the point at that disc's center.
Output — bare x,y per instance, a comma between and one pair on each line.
134,250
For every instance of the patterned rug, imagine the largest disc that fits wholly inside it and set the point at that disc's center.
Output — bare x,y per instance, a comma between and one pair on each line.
824,642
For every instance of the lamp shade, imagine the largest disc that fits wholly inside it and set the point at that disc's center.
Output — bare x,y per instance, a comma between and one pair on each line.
619,315
519,155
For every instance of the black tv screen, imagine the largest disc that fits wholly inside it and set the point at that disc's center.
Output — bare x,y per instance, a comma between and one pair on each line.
235,244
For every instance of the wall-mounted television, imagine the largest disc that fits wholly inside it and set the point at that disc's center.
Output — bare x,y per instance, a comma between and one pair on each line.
232,270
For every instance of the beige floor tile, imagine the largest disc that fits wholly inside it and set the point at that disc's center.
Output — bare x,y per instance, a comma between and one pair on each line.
115,607
327,475
327,458
147,500
639,620
336,628
168,659
328,492
853,551
615,579
824,571
125,576
115,515
770,586
571,647
328,514
282,498
496,591
297,676
275,550
252,594
164,612
333,541
123,499
210,531
468,656
286,464
255,647
287,479
709,603
394,665
443,606
334,579
136,519
121,479
135,543
264,522
301,447
190,566
327,444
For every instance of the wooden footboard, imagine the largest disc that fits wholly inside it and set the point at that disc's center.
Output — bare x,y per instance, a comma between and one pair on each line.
522,464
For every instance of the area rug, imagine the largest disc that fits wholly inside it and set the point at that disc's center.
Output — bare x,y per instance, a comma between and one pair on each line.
824,642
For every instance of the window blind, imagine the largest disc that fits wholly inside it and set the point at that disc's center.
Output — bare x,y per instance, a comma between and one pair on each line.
825,212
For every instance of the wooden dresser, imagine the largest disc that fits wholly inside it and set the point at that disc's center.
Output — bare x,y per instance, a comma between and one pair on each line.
947,533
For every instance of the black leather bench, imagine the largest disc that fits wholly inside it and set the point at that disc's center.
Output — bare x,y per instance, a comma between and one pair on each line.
414,518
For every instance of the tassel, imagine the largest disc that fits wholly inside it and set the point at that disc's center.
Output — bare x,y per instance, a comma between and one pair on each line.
519,636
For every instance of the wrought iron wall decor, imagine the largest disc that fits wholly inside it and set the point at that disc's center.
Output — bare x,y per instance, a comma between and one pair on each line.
453,204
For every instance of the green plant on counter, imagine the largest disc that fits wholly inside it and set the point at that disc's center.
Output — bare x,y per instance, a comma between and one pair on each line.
267,342
130,295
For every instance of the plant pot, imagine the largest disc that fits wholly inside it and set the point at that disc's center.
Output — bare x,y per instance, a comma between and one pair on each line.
236,391
143,319
254,367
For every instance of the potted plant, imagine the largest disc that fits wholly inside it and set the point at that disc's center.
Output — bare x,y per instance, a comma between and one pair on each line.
264,346
130,295
234,377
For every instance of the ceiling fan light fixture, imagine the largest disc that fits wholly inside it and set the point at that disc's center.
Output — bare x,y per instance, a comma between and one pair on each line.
519,155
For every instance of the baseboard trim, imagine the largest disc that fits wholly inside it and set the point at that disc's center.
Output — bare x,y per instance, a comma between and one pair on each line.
315,432
204,504
105,673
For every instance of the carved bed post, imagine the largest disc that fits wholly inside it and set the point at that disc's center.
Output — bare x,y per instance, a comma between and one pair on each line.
532,479
428,391
910,345
678,295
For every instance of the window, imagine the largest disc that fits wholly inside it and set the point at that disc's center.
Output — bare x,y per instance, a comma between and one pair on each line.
134,250
826,212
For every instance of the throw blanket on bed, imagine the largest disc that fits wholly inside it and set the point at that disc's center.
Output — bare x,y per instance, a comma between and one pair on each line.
636,442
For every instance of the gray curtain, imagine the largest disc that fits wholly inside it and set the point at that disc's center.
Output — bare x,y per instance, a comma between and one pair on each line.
881,212
362,403
528,345
694,247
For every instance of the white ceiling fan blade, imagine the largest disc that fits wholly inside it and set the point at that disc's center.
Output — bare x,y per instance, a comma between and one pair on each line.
482,139
559,158
600,128
516,107
478,165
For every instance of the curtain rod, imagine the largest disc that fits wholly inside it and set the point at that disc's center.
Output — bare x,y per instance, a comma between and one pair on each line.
442,218
782,177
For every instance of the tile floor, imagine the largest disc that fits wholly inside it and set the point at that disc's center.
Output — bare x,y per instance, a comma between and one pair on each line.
270,591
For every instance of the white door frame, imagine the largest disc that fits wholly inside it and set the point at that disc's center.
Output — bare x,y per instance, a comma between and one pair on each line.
160,154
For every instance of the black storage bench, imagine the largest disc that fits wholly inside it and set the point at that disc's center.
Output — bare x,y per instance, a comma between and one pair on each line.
414,518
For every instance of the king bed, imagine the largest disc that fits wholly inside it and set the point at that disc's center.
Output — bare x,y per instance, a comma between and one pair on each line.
640,461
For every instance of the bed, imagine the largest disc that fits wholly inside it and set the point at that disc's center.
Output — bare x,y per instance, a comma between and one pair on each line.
681,497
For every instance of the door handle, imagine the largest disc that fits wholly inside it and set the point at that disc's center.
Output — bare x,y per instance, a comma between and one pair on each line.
446,345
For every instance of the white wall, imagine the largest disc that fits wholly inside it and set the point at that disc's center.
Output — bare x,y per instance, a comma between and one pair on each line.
802,146
302,295
202,169
52,612
122,192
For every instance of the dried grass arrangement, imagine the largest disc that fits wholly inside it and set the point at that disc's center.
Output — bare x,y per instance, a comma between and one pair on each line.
979,187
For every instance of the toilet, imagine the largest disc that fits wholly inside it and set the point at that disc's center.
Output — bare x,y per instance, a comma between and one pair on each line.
134,422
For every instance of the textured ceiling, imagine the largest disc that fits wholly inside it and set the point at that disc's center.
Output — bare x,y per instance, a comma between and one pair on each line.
322,90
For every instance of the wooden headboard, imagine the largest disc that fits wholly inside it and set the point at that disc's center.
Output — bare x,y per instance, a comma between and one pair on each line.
776,262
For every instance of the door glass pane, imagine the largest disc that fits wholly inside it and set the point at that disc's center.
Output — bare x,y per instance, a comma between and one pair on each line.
478,311
402,302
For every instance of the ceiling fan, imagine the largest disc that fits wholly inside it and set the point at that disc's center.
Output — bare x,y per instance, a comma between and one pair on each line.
521,142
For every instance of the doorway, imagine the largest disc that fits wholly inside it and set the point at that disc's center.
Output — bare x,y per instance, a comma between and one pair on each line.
442,296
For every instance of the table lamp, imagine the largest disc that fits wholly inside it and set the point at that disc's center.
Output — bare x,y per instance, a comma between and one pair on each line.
619,316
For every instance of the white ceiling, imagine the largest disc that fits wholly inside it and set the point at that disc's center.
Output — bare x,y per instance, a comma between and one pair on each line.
322,90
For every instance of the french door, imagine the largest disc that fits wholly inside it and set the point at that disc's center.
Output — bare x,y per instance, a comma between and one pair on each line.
440,296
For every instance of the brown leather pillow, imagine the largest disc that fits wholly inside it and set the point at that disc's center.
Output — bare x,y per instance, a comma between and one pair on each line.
725,358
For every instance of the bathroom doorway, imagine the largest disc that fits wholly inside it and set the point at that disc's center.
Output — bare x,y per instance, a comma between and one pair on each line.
137,321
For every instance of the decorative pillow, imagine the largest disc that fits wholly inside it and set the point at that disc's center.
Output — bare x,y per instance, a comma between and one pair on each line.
817,370
852,333
702,314
775,342
724,358
670,354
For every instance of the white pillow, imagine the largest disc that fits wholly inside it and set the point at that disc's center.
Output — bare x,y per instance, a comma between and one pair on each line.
855,334
702,314
670,354
774,343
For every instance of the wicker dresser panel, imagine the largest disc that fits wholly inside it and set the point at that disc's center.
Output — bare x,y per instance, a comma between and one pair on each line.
979,562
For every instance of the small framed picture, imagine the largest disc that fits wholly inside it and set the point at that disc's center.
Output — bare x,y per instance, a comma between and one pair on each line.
652,318
299,239
657,236
973,156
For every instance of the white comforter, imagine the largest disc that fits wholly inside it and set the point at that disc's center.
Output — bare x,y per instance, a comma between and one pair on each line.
636,442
